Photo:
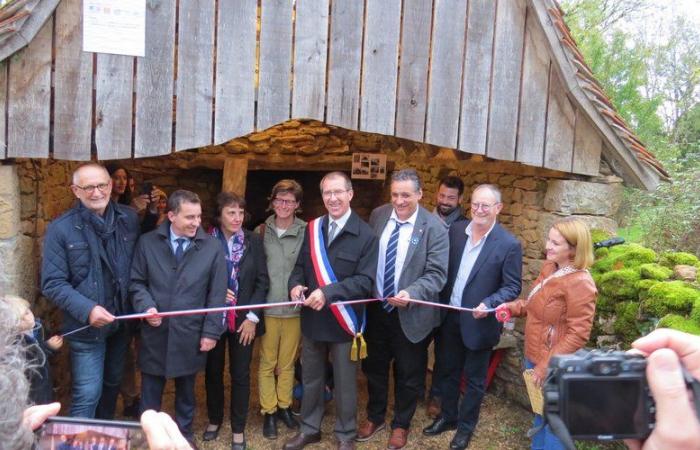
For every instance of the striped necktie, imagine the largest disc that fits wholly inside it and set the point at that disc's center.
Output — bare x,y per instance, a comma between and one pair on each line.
389,267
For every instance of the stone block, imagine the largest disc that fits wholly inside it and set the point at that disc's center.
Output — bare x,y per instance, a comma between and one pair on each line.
598,222
528,184
582,197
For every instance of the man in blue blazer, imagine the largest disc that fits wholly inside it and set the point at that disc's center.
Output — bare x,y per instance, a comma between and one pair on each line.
485,268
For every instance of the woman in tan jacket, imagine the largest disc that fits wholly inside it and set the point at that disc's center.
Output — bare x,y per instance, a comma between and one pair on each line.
559,307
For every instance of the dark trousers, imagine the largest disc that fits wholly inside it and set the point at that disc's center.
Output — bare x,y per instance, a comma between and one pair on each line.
455,358
239,369
435,379
185,402
386,342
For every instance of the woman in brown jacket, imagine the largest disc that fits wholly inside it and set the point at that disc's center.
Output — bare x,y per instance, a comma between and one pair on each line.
559,307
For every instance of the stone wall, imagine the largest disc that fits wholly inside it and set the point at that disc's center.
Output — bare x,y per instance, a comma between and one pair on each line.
533,197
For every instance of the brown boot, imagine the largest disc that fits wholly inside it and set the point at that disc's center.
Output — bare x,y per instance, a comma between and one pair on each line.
301,440
368,430
434,409
398,439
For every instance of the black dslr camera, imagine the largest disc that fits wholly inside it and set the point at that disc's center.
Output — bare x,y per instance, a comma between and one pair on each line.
598,395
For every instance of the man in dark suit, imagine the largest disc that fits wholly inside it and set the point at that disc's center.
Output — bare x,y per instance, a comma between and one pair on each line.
484,271
338,261
412,263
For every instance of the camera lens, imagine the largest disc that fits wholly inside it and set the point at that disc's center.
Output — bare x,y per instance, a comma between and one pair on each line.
604,369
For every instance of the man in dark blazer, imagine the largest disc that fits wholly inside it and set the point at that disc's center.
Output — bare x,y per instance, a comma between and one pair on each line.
176,267
350,248
412,263
484,271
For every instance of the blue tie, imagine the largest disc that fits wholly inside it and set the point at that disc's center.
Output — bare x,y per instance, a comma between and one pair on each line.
180,250
389,266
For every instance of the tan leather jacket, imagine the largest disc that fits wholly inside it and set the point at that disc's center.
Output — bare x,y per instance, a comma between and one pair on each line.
559,315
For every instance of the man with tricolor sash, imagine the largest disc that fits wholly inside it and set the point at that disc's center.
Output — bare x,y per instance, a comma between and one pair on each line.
412,264
337,262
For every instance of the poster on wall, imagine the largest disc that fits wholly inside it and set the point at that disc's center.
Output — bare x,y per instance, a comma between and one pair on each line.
368,166
114,26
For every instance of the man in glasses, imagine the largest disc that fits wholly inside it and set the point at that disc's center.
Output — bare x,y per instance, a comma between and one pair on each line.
85,272
484,271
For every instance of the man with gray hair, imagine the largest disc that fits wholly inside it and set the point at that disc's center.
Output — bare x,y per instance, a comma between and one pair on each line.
412,264
85,273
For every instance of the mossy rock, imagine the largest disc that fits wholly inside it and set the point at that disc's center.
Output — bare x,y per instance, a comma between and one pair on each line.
670,297
626,321
653,271
604,304
598,235
671,259
644,286
695,312
679,323
601,253
626,256
620,284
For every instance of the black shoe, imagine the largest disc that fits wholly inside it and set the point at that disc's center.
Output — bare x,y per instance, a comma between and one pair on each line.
461,440
211,435
132,410
238,445
285,415
439,426
270,426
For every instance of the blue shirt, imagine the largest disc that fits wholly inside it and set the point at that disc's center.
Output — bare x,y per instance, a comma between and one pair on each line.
471,253
173,240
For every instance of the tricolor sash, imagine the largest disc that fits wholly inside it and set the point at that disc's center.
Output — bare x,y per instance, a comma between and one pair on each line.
344,314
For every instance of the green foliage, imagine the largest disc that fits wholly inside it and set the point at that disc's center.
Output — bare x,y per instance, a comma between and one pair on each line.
670,297
653,271
601,252
670,259
643,287
624,256
626,322
679,323
620,284
599,235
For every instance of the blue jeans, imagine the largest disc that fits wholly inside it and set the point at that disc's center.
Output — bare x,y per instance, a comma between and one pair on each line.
544,439
96,368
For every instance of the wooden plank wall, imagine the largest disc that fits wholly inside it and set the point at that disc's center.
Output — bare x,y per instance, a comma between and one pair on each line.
474,75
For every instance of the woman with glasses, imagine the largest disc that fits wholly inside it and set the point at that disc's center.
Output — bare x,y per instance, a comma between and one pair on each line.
559,308
248,284
283,234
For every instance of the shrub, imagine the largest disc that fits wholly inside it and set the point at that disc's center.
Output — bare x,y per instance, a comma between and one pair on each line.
670,297
671,259
620,284
679,323
653,271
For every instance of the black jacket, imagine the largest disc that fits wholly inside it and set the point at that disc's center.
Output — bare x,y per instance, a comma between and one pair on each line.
158,281
353,257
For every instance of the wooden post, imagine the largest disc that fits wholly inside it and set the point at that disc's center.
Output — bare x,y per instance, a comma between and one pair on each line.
235,173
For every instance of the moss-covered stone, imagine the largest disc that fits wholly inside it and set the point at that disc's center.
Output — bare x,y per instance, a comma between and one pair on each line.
601,253
627,256
604,304
644,286
653,271
679,323
670,297
671,259
598,235
695,312
620,284
626,321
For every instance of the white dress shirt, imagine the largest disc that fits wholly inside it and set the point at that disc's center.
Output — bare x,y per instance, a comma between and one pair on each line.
471,253
405,233
340,222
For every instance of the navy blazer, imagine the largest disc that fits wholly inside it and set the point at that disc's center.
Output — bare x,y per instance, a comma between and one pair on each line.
495,279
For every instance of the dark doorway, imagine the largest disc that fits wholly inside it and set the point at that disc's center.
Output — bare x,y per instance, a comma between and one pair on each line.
368,194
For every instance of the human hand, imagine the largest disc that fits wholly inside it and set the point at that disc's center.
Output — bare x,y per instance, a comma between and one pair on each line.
35,416
230,296
206,344
246,332
153,321
399,300
677,426
480,314
99,317
55,342
316,300
297,292
162,432
503,313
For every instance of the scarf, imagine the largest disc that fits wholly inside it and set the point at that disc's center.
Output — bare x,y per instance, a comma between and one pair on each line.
234,253
559,273
111,239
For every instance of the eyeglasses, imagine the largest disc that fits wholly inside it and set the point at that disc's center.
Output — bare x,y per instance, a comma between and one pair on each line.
329,194
283,202
485,207
90,188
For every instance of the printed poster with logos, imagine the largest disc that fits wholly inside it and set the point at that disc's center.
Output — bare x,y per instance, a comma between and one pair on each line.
114,26
368,166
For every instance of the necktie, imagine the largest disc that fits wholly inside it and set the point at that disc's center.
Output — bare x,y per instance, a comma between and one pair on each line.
331,232
389,266
180,250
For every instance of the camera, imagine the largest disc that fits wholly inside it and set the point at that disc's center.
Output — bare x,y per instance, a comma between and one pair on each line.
599,395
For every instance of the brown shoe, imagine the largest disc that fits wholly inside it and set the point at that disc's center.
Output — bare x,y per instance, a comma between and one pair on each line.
346,445
434,408
398,439
368,430
301,440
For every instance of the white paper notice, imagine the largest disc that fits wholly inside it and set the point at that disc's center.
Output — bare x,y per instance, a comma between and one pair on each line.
114,26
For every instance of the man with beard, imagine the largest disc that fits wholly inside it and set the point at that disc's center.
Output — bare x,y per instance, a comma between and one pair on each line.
449,200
